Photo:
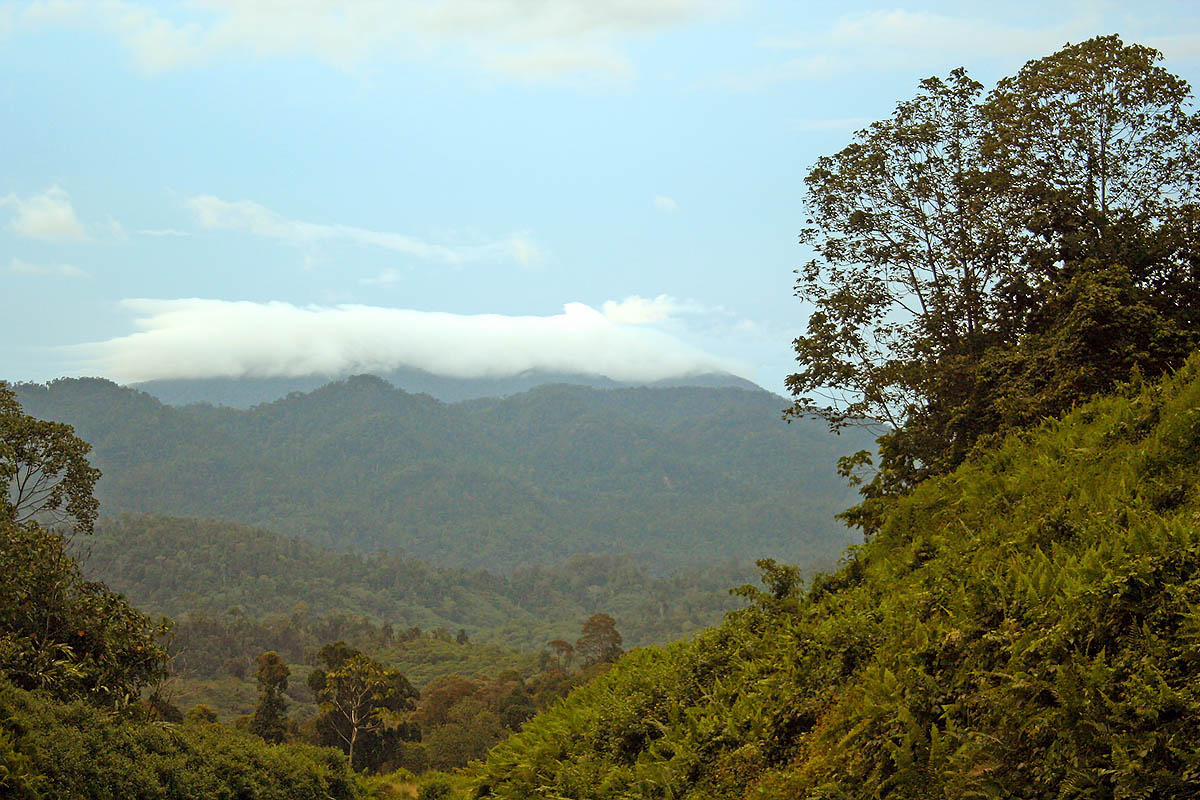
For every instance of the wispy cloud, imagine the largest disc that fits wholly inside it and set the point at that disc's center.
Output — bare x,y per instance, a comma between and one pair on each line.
516,37
389,277
48,216
664,203
20,267
193,338
163,232
250,217
905,39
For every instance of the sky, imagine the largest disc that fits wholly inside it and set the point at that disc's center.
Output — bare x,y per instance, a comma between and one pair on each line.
472,187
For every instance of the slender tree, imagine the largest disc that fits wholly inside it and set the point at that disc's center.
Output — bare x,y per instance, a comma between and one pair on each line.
361,699
270,714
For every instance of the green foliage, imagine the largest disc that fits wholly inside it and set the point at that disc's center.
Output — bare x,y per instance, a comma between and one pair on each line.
599,641
67,636
364,705
270,714
1024,626
984,263
44,471
51,750
494,484
435,790
294,596
200,714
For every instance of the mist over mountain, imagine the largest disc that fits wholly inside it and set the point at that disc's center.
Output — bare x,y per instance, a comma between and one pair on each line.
247,391
676,477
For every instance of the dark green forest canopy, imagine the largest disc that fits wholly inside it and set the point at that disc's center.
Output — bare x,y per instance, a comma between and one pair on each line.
291,595
677,477
987,261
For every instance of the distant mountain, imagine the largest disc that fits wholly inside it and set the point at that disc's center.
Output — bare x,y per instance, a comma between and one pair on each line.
248,392
676,477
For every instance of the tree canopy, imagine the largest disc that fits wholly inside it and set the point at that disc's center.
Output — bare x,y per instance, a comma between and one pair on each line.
983,262
70,637
44,469
599,640
364,705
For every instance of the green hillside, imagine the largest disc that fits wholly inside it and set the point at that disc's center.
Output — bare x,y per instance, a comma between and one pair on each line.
677,477
1027,625
200,569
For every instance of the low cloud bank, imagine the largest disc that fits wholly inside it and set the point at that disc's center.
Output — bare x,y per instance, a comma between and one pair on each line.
196,338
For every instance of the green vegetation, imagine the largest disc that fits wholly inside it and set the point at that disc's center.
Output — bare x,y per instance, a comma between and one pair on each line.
986,262
676,477
44,469
1025,626
82,713
52,750
364,705
65,636
289,596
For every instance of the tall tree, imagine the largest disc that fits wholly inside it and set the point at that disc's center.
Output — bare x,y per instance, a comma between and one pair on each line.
599,642
44,469
270,714
362,702
968,250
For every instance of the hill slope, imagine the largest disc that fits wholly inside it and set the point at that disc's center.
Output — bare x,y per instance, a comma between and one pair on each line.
175,567
677,477
1027,626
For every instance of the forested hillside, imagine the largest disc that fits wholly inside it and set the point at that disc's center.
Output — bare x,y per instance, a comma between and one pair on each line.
190,568
677,477
1024,626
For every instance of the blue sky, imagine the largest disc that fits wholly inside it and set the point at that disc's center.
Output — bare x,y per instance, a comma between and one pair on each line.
470,186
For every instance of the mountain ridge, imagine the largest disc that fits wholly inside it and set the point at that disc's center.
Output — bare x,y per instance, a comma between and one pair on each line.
678,477
246,391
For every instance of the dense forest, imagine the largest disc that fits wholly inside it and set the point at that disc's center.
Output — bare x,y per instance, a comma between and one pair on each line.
180,567
675,477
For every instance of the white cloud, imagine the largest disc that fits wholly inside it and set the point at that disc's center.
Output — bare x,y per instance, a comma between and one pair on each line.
637,310
244,215
209,338
903,34
664,203
904,39
49,216
389,277
19,267
163,232
518,37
